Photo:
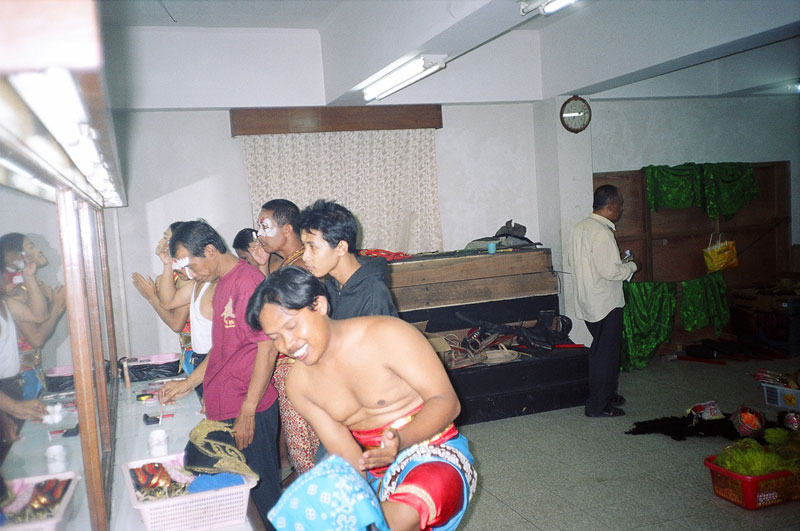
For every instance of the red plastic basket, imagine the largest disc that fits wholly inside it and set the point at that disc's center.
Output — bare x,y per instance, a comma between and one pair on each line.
753,492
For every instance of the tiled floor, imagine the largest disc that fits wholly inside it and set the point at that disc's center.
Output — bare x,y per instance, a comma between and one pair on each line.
562,471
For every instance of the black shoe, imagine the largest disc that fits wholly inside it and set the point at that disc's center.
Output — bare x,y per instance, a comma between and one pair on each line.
609,412
617,400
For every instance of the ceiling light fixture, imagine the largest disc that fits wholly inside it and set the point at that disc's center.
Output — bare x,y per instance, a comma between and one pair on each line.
403,76
54,97
544,7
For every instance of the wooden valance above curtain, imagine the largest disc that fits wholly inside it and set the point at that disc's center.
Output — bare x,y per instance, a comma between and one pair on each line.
280,120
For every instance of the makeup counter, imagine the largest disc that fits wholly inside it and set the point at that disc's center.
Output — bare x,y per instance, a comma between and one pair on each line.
27,457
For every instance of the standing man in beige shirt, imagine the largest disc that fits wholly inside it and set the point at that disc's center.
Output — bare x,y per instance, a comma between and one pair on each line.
599,273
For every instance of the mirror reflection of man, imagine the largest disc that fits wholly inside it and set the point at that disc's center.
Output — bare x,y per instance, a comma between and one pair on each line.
12,311
236,374
598,272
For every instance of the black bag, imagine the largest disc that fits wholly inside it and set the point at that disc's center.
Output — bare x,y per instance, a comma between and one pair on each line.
66,382
549,330
140,372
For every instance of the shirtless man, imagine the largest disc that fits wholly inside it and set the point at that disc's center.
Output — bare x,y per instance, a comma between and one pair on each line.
176,316
373,389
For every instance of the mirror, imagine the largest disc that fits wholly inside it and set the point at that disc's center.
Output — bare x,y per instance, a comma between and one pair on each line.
68,361
30,224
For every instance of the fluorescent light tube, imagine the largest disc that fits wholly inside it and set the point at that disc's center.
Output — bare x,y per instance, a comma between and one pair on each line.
403,76
556,5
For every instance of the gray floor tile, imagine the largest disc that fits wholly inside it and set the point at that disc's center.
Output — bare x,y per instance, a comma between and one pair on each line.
560,470
486,512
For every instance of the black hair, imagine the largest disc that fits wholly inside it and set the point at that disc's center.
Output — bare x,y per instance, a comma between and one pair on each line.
283,212
241,242
11,242
606,194
195,235
291,287
334,222
174,226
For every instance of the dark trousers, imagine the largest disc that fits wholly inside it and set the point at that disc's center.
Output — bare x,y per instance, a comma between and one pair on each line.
262,457
196,359
604,361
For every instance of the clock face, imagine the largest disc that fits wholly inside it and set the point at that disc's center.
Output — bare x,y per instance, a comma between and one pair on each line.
575,114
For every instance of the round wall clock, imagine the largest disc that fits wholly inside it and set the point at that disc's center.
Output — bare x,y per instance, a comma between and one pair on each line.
575,114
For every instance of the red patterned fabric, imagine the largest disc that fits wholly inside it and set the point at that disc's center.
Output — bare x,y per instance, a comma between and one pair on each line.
301,440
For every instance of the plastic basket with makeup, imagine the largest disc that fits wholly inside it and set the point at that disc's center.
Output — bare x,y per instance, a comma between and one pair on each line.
201,510
57,513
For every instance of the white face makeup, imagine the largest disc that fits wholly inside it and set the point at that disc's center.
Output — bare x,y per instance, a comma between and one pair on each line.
178,264
19,264
267,228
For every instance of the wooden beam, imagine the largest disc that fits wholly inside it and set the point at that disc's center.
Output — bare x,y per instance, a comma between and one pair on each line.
281,120
473,267
472,291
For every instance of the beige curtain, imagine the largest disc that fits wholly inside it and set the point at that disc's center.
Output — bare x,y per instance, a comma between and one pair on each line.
386,178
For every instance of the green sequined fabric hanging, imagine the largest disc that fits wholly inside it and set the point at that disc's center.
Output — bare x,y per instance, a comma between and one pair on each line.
704,302
719,188
647,321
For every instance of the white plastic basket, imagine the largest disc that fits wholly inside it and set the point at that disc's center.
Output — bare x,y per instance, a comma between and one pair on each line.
52,523
781,397
201,510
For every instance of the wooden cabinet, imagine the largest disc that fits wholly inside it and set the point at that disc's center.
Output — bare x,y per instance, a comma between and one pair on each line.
509,286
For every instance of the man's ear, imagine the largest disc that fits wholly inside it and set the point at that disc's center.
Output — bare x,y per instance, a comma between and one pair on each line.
210,250
321,305
287,230
341,248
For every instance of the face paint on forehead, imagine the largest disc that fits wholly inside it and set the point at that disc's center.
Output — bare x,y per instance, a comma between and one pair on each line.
178,264
267,227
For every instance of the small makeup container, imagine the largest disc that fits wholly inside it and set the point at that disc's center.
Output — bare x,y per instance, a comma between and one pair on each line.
157,443
56,456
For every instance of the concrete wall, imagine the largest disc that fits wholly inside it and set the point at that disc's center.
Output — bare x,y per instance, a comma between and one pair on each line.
182,165
630,134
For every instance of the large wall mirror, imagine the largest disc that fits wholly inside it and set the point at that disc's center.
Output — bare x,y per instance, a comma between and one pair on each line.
52,214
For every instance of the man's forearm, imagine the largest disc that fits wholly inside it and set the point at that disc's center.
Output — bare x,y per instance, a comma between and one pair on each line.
166,286
36,299
198,374
436,414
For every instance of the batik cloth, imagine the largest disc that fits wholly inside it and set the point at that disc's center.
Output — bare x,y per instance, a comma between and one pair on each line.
435,477
331,496
301,440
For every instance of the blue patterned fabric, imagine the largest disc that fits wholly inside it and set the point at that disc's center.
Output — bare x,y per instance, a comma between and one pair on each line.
332,496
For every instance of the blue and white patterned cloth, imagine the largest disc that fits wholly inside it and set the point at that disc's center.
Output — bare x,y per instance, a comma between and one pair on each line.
332,496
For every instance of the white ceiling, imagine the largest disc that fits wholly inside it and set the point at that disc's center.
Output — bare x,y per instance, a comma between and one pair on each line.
645,48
